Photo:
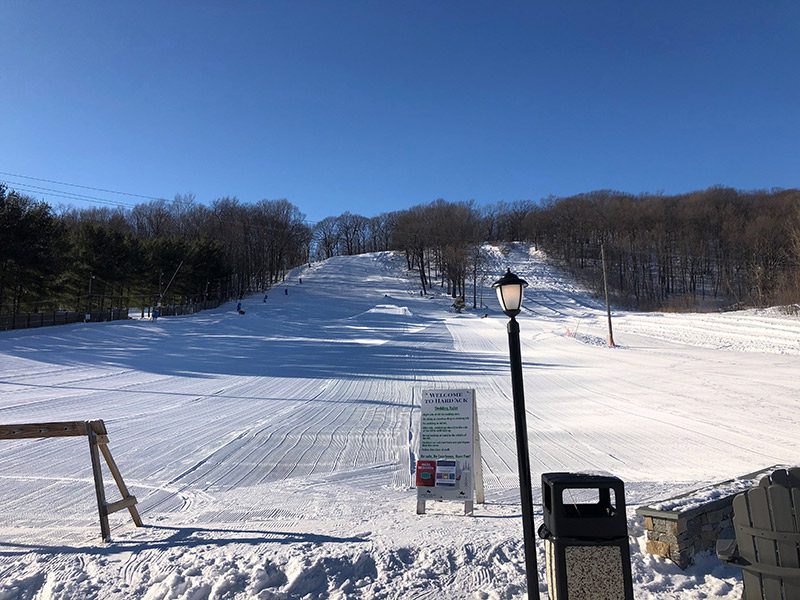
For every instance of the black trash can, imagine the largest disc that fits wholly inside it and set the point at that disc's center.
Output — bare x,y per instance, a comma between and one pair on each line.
585,533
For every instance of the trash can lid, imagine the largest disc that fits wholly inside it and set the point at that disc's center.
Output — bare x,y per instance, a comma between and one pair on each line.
590,479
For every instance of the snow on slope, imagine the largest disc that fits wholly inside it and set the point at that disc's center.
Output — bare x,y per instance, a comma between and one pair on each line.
558,298
270,452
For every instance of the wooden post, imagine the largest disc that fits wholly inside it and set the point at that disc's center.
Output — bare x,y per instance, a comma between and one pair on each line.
605,288
97,471
126,496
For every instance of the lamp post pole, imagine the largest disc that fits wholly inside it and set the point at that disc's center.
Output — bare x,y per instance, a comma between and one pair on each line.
523,460
509,292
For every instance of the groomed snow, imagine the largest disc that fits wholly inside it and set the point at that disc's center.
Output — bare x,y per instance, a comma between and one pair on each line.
270,452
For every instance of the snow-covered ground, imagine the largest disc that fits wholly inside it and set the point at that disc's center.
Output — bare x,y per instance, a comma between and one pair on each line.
270,451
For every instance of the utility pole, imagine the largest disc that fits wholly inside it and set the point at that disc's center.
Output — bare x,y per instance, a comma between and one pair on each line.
87,314
475,283
605,288
89,297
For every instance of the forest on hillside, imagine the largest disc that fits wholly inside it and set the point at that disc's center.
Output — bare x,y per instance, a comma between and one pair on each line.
711,249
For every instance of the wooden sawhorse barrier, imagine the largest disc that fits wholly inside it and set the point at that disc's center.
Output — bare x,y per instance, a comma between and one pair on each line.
98,444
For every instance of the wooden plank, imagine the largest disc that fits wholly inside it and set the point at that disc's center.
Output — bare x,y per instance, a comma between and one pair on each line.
795,494
42,430
112,466
780,477
105,530
120,504
123,489
766,550
99,427
780,500
794,478
747,550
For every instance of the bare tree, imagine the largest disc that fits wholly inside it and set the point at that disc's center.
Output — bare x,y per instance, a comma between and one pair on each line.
326,237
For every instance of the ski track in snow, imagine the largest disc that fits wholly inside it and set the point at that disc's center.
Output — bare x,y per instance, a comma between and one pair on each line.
270,452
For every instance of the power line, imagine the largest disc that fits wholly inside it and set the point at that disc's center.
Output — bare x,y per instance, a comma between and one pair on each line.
67,196
86,187
28,189
35,189
64,194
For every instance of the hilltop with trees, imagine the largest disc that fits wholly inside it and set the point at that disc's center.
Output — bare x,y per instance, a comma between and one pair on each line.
708,249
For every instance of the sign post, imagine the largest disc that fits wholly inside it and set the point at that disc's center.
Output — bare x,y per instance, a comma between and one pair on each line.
449,458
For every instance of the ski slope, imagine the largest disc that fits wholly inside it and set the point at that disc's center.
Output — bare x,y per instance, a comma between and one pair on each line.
270,452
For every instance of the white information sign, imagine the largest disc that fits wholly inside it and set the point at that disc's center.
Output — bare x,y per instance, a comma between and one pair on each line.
446,463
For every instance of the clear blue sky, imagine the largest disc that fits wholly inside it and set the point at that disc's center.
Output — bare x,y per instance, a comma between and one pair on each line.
373,106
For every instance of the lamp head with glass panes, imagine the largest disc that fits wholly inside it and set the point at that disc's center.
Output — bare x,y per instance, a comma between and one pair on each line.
509,292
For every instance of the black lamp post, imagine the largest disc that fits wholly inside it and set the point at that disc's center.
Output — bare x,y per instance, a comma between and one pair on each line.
509,291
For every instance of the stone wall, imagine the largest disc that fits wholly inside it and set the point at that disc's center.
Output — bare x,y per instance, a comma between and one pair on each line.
680,527
679,537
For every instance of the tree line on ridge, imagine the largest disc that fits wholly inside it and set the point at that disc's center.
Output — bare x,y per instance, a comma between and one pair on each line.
708,249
